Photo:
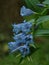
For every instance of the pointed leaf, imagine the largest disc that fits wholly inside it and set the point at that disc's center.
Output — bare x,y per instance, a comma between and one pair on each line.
42,19
32,4
46,2
42,33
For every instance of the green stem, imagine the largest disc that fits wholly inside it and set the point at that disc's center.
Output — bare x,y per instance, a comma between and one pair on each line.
44,11
34,31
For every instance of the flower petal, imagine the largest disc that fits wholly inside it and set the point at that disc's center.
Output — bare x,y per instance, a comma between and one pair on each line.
25,11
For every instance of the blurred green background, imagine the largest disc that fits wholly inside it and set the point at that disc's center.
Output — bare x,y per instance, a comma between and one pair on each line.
9,14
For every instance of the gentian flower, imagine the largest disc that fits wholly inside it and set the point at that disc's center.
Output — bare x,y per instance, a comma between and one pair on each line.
25,11
24,50
21,39
29,39
16,28
23,27
26,27
12,46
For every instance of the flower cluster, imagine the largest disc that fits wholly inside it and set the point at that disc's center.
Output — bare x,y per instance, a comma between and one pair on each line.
22,38
22,34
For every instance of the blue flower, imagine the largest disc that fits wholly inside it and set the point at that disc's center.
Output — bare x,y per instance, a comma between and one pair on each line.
20,37
26,27
25,11
12,46
16,28
23,27
23,38
29,39
24,50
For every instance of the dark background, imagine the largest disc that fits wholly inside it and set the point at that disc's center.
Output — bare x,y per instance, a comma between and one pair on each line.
9,14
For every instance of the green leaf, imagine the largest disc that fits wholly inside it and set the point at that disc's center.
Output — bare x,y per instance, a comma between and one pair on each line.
32,20
28,18
33,46
45,25
46,2
32,4
42,33
42,19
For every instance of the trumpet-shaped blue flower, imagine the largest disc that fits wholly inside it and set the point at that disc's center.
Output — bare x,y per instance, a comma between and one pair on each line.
29,39
20,37
26,27
20,40
16,28
25,11
23,38
24,50
12,46
23,27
